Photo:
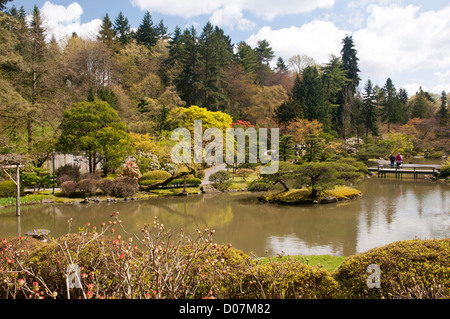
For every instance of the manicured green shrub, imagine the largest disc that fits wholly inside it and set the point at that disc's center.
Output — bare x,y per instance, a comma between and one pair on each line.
158,175
259,186
221,180
409,269
445,171
293,280
8,189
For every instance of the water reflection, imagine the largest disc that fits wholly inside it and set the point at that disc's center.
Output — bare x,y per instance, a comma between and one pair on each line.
390,210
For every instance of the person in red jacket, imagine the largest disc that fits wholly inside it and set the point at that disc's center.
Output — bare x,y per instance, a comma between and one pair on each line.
399,160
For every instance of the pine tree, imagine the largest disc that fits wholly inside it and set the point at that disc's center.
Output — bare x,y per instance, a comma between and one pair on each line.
264,54
215,54
281,65
443,112
420,105
161,31
122,29
345,111
34,80
147,32
3,4
246,57
188,82
350,62
310,95
106,33
369,109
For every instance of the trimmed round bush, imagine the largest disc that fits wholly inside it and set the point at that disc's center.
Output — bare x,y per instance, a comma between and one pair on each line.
106,186
125,186
294,280
71,170
158,175
68,187
92,176
259,186
88,186
7,189
64,178
409,269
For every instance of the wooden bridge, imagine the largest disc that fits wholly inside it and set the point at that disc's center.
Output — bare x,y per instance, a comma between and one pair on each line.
409,169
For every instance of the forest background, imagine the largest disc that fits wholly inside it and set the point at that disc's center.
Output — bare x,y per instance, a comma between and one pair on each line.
122,93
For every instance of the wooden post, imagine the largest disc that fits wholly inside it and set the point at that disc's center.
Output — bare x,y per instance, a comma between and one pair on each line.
18,190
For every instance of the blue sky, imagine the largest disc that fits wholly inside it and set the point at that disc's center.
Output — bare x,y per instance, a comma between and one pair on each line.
406,40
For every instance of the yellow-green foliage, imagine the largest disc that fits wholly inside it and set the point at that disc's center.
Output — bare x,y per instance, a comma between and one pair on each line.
409,269
344,192
291,196
157,175
303,195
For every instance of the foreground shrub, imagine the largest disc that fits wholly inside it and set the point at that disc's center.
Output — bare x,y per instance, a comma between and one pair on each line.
292,279
125,186
409,269
68,187
445,171
67,172
106,186
167,264
88,186
7,189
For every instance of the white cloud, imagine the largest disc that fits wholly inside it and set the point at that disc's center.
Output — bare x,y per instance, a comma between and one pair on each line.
231,16
394,40
401,39
317,39
62,21
232,11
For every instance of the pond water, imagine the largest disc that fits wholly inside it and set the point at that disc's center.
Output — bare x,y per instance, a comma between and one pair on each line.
390,210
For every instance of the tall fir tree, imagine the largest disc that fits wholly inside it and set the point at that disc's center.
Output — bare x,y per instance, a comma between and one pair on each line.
246,57
188,82
347,105
264,55
216,52
443,111
34,80
369,116
147,32
106,33
122,29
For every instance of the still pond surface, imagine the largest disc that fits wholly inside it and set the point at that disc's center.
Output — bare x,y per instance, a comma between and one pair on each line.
390,210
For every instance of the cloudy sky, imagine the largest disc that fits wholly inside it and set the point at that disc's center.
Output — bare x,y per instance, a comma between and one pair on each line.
406,40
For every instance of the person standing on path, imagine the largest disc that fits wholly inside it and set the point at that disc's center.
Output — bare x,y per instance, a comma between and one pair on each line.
392,158
399,160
